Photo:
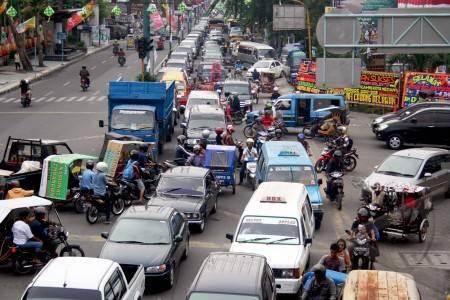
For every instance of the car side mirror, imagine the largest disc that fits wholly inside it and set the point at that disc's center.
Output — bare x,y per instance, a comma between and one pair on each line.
278,286
427,174
414,120
229,236
308,241
183,125
104,235
101,123
178,238
319,181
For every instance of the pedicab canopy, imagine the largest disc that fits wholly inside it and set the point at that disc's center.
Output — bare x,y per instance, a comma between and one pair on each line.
6,206
56,172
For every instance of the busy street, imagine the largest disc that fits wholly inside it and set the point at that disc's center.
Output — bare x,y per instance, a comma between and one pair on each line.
214,91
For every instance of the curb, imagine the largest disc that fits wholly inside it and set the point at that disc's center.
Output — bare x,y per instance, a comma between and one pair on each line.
45,73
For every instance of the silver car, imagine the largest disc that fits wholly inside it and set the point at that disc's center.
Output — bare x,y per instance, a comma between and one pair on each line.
428,167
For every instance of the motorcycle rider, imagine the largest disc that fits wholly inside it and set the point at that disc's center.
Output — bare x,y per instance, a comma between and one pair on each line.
267,119
228,138
275,94
255,75
329,126
133,172
87,178
378,194
302,140
332,261
39,227
16,191
235,103
219,132
121,55
99,185
180,152
115,47
321,287
25,88
84,74
23,237
204,140
363,218
143,156
334,165
197,159
248,154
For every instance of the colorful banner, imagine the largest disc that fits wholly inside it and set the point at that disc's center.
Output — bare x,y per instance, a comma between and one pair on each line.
157,22
423,3
376,88
3,7
80,16
57,179
416,82
28,24
173,22
112,156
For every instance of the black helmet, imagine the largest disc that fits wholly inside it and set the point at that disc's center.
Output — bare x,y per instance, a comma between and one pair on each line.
134,154
90,164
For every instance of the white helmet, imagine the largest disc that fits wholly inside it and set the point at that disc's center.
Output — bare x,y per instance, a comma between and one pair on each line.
275,89
101,166
206,133
250,141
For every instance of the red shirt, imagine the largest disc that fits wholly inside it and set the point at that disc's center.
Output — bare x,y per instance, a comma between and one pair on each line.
267,121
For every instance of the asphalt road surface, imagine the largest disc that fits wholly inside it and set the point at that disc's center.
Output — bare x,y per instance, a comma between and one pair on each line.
61,111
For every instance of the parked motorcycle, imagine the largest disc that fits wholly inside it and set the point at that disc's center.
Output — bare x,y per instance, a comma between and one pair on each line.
25,99
121,60
337,188
97,207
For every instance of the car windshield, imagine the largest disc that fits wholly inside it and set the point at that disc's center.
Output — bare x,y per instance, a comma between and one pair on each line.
200,101
185,49
132,119
181,185
241,89
202,120
176,65
213,296
140,231
262,64
268,53
296,57
298,174
404,166
59,293
269,230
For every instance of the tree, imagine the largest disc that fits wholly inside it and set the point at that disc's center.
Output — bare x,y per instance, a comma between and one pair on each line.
34,8
421,62
20,44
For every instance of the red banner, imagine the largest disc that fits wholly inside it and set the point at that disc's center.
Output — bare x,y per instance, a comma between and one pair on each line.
157,21
80,16
436,83
423,3
173,22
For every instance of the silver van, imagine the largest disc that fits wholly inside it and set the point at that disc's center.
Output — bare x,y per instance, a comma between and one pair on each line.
249,52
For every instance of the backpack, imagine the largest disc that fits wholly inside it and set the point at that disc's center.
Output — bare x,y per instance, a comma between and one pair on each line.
128,172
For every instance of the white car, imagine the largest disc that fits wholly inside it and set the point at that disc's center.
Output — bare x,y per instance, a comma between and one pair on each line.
269,65
278,223
201,98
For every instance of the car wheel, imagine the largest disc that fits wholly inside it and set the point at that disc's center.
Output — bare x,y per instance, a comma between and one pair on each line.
395,142
201,226
171,280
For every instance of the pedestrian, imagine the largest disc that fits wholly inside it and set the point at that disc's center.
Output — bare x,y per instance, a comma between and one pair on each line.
17,61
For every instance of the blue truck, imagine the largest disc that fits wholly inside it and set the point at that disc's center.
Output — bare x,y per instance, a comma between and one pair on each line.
142,109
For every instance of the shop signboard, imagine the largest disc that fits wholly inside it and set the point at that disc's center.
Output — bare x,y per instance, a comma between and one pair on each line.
415,82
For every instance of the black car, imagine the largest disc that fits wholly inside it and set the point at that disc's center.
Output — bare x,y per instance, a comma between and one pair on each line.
243,89
156,237
404,112
191,190
202,117
426,126
233,276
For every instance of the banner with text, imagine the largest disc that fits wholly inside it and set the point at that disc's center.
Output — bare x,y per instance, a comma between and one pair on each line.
436,84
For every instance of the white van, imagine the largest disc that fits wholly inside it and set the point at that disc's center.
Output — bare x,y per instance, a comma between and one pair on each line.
278,223
250,52
201,98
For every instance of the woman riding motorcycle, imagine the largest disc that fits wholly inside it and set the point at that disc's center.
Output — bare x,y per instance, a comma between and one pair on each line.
197,159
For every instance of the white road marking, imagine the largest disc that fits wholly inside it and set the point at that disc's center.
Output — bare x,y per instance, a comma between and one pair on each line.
119,79
91,99
103,61
9,100
96,93
50,99
81,99
61,99
67,83
71,99
93,68
17,100
1,99
48,94
39,100
101,98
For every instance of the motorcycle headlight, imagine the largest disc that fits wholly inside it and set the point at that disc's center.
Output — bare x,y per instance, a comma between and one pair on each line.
156,269
382,127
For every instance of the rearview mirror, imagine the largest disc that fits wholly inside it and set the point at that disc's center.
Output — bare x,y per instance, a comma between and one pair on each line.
101,123
427,174
308,241
178,238
104,235
229,236
278,286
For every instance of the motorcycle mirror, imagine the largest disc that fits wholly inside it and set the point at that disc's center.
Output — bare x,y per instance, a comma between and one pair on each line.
178,239
104,235
183,125
308,241
229,236
101,123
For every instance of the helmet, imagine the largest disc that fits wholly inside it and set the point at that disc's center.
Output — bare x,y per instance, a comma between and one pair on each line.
337,153
230,129
275,89
268,105
40,211
219,130
362,212
250,141
101,166
227,94
196,148
206,133
23,81
181,139
319,268
134,154
300,137
342,129
89,164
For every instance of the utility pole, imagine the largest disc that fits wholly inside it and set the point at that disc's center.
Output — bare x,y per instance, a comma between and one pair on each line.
170,27
146,20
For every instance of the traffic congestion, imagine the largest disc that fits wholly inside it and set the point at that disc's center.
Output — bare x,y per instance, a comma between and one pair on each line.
221,181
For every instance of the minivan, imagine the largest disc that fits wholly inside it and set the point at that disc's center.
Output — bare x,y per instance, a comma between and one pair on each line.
426,126
249,52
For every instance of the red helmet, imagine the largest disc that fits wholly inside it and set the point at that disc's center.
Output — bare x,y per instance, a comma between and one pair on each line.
219,130
230,129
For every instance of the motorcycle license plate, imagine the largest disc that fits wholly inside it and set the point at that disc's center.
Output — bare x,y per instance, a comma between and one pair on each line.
361,249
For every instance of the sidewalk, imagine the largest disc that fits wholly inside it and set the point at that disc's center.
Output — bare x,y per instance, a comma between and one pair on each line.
10,78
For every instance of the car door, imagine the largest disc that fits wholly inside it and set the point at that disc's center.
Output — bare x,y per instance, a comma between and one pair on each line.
418,128
307,246
209,193
175,226
278,68
442,127
433,177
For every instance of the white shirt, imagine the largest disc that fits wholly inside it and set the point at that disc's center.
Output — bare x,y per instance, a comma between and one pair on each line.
21,232
249,154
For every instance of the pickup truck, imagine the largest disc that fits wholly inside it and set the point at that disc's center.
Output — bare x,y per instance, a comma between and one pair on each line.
19,150
143,110
82,278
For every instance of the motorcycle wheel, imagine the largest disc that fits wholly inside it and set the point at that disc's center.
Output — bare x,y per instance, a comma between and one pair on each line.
74,251
237,118
127,202
339,201
118,206
24,104
78,204
365,263
22,265
249,132
92,215
308,132
350,163
319,166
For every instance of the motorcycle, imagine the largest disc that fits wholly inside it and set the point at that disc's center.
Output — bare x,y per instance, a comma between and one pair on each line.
96,206
337,188
360,252
121,60
279,128
84,84
348,160
177,162
250,173
237,117
25,99
116,49
22,259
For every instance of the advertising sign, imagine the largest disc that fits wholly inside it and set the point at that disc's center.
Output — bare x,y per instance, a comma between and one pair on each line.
288,17
112,156
416,82
57,175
